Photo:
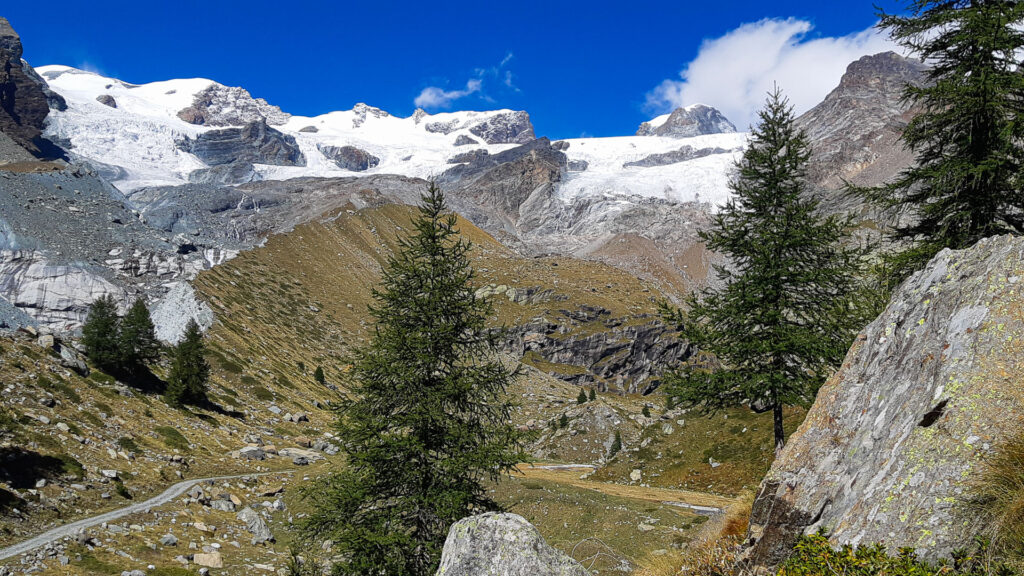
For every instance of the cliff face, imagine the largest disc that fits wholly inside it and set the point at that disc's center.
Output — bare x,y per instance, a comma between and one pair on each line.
927,392
25,99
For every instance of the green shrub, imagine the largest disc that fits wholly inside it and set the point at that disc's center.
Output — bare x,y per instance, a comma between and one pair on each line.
128,444
71,466
262,393
59,386
172,437
616,445
814,556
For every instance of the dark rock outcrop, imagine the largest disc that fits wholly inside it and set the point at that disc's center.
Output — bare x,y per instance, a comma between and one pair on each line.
502,545
254,143
497,184
615,358
471,156
107,100
688,122
234,173
24,97
511,127
463,140
894,440
684,154
349,157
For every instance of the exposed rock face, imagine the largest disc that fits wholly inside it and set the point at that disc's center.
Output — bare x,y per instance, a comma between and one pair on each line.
349,157
855,131
107,100
24,97
463,140
173,312
684,154
234,173
498,184
688,122
58,295
502,545
254,143
511,128
929,389
231,106
615,358
362,111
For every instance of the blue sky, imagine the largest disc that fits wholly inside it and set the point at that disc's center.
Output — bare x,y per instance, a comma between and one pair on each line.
596,69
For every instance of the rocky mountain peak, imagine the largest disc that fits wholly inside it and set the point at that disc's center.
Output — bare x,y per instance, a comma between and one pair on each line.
231,106
688,122
855,131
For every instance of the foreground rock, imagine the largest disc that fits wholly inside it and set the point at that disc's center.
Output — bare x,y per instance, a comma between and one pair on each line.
25,99
895,438
502,545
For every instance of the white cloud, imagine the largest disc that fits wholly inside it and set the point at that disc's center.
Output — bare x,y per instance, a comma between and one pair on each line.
734,72
435,97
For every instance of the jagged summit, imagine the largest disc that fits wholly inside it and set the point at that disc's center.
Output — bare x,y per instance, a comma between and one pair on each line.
693,120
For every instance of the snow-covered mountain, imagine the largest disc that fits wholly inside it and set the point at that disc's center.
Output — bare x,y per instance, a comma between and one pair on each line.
180,131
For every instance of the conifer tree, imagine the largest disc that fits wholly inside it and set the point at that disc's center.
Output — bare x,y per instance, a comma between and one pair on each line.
563,420
137,340
318,375
781,320
427,420
187,381
966,183
100,334
616,446
582,398
593,395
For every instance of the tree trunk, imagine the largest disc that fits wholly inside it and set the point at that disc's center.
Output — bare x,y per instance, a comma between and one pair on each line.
780,433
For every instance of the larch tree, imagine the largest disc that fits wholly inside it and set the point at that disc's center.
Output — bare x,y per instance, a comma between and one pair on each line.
427,420
781,319
968,140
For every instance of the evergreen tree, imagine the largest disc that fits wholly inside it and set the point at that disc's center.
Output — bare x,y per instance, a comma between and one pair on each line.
646,412
593,395
966,181
190,372
427,420
563,420
137,342
616,445
582,398
100,334
781,320
318,375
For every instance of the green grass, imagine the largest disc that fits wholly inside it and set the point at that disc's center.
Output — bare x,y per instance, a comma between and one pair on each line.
59,387
128,444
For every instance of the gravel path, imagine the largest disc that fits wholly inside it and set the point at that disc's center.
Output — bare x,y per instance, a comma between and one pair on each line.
76,527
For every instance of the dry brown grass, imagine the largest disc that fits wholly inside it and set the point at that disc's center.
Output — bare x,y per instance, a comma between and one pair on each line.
999,498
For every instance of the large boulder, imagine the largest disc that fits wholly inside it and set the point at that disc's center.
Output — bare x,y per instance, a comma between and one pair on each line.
927,392
502,545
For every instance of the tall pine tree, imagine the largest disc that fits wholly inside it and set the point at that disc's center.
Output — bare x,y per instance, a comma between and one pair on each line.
780,321
137,340
190,373
966,181
100,334
427,421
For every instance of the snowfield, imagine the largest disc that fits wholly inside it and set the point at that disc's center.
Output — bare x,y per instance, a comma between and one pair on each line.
136,142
